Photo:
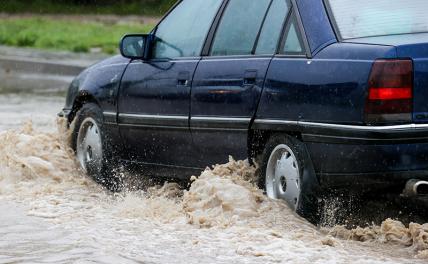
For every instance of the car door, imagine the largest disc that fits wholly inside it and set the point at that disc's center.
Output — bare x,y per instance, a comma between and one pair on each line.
154,98
228,81
286,95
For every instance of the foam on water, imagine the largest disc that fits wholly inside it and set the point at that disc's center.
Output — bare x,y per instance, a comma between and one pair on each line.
414,237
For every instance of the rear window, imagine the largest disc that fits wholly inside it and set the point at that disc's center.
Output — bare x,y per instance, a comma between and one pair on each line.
368,18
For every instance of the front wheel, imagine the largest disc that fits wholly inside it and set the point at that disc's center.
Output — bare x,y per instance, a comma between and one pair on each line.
93,151
89,150
287,174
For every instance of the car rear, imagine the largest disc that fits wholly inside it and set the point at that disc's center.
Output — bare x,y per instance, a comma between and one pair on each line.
392,145
400,82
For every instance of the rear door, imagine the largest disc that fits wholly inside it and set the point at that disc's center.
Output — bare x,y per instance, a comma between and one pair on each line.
154,101
229,79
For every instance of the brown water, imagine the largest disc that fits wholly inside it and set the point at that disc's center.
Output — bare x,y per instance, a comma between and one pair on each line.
51,213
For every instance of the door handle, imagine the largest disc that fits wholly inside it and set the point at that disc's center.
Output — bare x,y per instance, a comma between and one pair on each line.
183,82
183,78
250,77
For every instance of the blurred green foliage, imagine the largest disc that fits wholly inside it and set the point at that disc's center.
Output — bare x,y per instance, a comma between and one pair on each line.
122,7
76,36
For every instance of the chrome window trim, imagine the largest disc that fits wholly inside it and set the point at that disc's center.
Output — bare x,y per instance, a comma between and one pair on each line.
236,58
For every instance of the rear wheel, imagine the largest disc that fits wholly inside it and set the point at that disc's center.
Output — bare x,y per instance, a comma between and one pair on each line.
93,151
283,176
286,173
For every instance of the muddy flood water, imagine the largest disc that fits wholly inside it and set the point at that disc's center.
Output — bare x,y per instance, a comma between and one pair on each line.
51,213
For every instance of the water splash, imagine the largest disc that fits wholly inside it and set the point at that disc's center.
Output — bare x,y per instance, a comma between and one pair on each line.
222,205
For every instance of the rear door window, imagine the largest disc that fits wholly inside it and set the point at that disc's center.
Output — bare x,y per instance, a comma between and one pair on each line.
239,27
272,27
293,39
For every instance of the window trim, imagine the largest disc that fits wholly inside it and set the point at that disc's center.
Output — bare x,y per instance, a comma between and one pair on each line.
302,29
155,28
256,42
284,24
206,47
332,20
213,29
293,7
237,57
152,33
290,20
307,50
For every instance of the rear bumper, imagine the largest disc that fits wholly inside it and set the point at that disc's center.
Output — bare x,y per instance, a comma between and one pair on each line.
348,134
363,156
351,134
352,155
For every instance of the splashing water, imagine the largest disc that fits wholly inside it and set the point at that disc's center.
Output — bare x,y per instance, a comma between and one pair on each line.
223,217
27,156
414,237
221,196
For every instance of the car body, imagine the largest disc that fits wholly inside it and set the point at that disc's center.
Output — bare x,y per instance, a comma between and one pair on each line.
178,113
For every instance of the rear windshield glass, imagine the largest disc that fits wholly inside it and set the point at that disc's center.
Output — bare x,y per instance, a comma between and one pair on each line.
367,18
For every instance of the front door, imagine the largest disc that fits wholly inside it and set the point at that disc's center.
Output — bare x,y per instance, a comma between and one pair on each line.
154,101
229,80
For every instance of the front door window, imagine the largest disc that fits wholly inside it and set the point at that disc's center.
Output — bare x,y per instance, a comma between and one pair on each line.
182,33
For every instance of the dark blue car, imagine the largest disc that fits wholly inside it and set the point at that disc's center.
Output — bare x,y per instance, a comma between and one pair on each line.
323,95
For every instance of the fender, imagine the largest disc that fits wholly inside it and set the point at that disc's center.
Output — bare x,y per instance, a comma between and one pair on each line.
98,84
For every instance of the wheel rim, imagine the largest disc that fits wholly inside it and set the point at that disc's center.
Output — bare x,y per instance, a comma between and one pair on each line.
89,146
283,176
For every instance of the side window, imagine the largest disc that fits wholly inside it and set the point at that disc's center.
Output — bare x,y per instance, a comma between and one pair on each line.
182,33
293,41
239,27
272,27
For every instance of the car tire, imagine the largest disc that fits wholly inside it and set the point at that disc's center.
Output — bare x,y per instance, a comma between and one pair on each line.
93,147
286,173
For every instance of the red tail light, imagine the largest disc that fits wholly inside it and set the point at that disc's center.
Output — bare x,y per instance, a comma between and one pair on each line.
390,98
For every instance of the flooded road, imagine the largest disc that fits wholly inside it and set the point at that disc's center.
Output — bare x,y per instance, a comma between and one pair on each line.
51,213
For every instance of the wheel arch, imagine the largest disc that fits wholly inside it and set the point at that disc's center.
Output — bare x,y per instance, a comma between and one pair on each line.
258,138
83,97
